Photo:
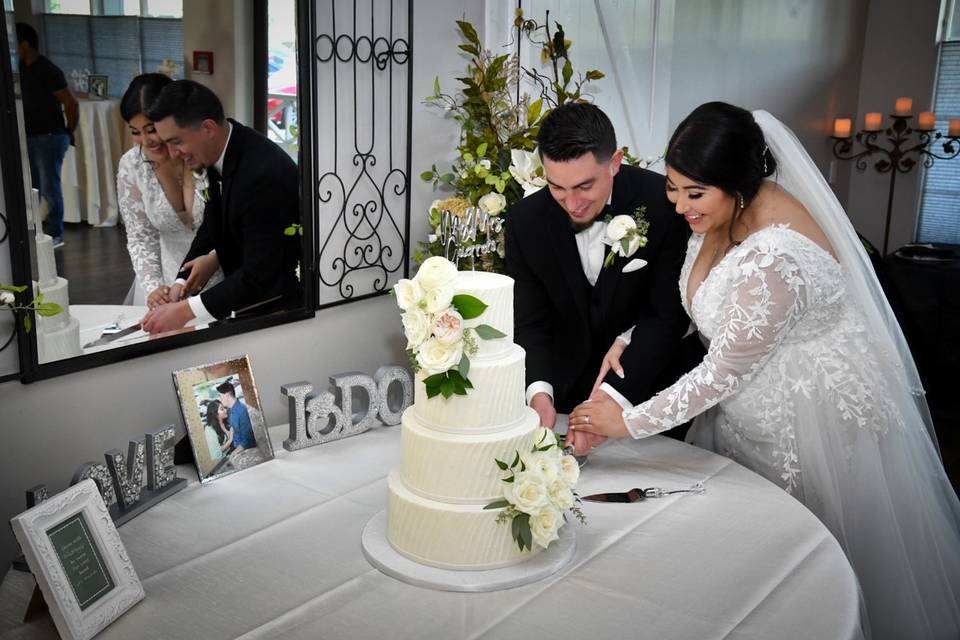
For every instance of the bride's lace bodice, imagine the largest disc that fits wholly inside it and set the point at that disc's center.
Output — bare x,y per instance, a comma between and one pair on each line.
157,237
780,333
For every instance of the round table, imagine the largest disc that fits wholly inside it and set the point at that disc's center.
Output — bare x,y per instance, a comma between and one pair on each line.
274,552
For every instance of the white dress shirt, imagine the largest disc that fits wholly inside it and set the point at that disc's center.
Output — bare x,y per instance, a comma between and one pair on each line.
592,252
196,305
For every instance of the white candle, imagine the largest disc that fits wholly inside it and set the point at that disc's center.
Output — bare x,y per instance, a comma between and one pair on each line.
927,121
904,106
873,121
842,127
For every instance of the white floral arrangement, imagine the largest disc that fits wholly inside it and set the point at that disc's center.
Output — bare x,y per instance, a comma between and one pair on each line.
201,182
537,491
433,322
527,169
626,234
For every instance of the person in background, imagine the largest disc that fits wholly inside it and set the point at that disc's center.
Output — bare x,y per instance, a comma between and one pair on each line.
50,114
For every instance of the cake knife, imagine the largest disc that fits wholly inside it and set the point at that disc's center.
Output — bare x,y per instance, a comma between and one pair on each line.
637,494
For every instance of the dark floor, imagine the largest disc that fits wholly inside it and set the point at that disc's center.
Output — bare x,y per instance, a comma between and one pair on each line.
96,262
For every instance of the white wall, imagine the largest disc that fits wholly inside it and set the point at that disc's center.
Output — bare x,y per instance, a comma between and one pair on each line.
224,27
798,60
899,59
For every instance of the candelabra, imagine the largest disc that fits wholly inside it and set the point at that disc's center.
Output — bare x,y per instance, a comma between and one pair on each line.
902,151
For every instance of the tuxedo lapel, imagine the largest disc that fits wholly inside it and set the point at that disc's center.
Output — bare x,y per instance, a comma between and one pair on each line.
621,202
231,162
568,259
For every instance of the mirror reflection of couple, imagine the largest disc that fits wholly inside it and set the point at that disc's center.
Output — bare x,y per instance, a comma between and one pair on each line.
807,379
205,202
228,429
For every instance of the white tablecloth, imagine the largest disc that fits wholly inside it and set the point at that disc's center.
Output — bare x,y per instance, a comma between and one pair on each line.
90,169
274,552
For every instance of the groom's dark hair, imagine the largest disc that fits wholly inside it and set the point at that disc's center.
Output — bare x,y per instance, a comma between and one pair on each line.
189,102
227,387
576,128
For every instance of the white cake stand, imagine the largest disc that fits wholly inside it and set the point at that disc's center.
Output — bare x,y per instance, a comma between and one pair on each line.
381,554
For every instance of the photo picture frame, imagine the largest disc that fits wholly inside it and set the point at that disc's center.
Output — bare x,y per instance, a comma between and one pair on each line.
203,62
223,417
78,559
98,87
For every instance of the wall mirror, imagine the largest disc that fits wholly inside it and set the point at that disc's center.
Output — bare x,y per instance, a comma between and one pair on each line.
247,51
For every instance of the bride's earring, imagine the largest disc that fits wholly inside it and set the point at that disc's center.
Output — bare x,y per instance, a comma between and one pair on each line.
740,201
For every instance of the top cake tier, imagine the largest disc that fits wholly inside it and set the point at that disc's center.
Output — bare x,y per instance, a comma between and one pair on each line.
496,291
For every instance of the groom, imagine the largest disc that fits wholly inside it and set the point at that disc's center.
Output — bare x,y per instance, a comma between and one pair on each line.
568,306
252,197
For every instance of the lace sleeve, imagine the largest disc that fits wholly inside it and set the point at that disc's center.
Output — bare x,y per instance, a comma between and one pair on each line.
143,239
765,301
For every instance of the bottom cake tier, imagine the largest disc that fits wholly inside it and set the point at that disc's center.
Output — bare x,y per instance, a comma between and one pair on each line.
448,536
60,343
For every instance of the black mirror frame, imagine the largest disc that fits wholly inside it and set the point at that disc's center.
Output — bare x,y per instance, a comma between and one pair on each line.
15,211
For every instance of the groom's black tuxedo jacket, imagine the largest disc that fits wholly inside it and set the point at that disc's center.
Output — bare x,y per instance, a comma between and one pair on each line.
566,326
257,197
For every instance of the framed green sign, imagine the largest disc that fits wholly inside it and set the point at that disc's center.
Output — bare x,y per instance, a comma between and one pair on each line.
78,559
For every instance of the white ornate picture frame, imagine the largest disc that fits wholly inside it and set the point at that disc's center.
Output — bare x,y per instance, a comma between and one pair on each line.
79,561
221,447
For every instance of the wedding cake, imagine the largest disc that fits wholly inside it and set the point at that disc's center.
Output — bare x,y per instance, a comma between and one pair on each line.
448,473
58,336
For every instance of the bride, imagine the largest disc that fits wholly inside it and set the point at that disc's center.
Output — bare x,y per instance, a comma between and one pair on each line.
807,379
160,205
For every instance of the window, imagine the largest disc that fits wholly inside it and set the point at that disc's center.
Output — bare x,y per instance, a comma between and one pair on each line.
120,39
940,200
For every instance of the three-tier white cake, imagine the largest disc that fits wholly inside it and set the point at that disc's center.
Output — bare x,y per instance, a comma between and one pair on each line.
447,472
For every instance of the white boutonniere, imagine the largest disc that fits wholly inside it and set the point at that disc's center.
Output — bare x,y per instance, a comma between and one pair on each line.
202,183
626,234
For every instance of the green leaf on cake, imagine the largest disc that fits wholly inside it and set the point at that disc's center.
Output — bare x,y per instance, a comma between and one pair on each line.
522,526
499,504
515,461
446,388
464,367
487,332
500,463
48,309
468,306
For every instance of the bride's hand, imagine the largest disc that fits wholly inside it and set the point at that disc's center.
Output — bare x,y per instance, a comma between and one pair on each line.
159,296
602,416
611,361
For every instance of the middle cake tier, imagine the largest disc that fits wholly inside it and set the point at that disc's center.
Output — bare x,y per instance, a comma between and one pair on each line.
461,468
495,402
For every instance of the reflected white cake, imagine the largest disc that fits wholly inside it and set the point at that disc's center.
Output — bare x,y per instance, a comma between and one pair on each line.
447,472
58,336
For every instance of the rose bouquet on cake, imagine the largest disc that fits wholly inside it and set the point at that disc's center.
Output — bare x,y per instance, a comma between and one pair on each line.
438,343
538,489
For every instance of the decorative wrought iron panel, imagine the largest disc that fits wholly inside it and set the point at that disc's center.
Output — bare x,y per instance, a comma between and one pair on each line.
362,96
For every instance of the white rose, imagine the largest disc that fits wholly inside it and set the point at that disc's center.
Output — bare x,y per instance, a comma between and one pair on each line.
7,297
618,227
544,526
485,163
408,292
448,327
439,299
436,272
569,470
546,464
543,436
527,492
561,496
435,357
493,203
416,326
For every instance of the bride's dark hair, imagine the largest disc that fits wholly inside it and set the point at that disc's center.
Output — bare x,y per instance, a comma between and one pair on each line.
721,145
141,93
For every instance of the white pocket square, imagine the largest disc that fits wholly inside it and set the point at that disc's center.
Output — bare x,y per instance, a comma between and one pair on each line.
633,265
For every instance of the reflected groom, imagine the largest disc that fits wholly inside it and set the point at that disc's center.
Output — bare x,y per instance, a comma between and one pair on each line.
568,306
252,197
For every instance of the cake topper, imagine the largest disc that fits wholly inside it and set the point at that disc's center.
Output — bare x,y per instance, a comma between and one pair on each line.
459,234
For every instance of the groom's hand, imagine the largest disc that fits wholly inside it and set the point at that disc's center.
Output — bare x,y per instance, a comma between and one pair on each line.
167,317
542,403
201,269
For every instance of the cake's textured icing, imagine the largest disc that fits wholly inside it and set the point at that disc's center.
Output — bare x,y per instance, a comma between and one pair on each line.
447,472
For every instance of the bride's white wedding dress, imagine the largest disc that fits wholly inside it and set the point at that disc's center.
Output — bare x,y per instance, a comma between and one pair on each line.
804,383
158,237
